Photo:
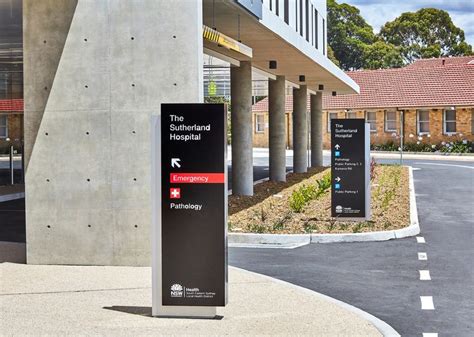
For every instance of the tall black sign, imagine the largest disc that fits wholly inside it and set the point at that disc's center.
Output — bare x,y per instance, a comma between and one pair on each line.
194,204
350,166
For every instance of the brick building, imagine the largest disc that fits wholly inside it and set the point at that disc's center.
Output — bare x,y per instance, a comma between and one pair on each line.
433,97
11,124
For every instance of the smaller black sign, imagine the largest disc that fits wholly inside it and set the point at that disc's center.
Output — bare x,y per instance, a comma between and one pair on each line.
349,171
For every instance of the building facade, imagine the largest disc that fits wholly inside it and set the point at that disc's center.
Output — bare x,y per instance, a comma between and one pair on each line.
95,72
431,100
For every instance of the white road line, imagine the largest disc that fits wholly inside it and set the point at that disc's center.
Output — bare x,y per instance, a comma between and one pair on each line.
420,239
425,275
452,165
416,169
427,303
430,334
422,256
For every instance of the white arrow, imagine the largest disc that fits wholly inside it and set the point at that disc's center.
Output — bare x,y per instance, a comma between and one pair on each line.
175,162
338,179
337,146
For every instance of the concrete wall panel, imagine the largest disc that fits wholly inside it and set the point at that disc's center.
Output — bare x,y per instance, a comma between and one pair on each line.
89,173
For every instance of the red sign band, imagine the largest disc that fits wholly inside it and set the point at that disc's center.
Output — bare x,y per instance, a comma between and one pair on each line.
197,178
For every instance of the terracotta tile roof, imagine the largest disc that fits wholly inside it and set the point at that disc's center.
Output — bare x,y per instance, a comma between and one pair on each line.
11,105
438,62
424,85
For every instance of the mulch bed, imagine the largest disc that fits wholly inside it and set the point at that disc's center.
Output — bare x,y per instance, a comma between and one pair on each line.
268,211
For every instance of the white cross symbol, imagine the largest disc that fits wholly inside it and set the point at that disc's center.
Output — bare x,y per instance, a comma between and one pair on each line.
175,193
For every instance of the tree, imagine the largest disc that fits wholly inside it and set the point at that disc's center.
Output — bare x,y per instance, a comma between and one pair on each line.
332,57
426,33
348,34
381,55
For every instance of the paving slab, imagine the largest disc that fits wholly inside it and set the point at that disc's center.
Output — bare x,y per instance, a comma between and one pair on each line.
116,301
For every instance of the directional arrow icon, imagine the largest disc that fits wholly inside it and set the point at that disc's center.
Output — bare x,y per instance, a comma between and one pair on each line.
175,162
337,146
338,179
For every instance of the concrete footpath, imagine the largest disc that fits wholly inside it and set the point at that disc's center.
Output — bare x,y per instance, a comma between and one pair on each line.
116,301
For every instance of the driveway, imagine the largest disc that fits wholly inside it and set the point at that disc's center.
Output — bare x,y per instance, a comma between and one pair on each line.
383,278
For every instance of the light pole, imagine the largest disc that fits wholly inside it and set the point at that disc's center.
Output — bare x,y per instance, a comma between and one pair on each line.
12,180
401,136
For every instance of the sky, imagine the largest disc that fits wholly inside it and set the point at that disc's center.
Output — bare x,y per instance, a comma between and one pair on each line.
377,12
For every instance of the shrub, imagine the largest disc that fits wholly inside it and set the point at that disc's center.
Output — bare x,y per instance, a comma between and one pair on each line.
373,164
300,197
324,183
424,145
297,201
459,146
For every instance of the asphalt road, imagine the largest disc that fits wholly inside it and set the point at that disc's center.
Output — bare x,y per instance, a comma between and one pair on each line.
383,278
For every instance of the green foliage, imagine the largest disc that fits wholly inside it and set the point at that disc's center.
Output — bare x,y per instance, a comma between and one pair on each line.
426,33
459,146
309,228
257,228
332,57
222,99
297,201
280,224
300,197
324,183
348,34
380,55
456,146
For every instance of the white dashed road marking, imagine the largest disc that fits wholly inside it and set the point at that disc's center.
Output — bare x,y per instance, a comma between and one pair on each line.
425,275
420,239
422,256
452,165
427,303
430,334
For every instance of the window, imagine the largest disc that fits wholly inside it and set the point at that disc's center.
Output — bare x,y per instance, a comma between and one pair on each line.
296,15
390,121
324,37
259,123
3,126
307,20
331,115
449,125
422,122
301,17
316,22
312,25
472,121
351,114
371,118
277,7
286,8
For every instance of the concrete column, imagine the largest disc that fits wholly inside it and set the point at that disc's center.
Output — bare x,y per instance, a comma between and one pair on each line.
277,130
241,124
316,130
300,130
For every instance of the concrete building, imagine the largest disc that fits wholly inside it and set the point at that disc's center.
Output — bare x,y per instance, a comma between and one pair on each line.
96,71
434,98
11,76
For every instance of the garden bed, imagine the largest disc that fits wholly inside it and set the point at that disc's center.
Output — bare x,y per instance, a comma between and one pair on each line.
303,205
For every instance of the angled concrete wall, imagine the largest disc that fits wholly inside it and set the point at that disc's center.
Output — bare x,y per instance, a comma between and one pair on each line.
88,177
